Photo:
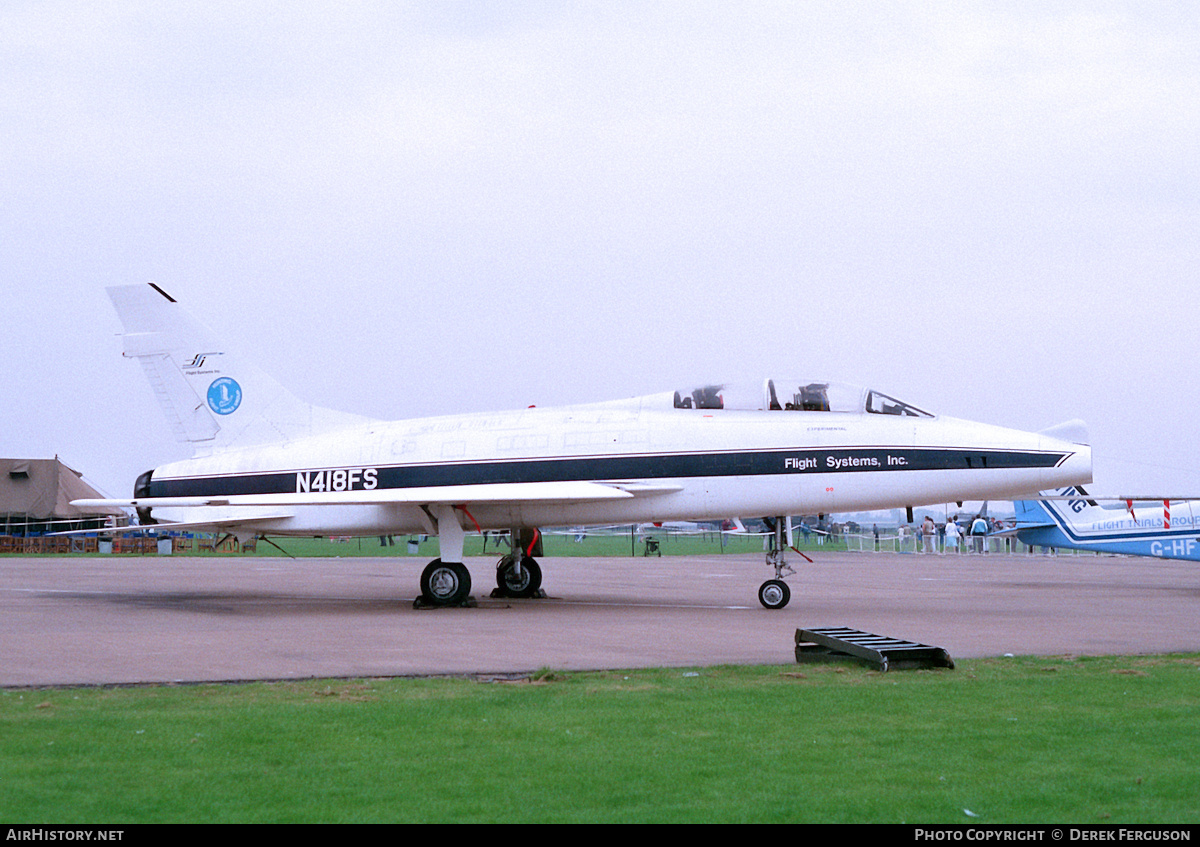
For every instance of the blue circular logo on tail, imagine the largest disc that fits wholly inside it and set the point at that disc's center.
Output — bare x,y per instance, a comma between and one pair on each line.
224,396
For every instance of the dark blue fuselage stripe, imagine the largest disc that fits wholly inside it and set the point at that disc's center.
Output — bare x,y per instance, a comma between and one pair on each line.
642,466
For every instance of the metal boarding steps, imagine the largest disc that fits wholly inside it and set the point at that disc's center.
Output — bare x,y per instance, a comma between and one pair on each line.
832,643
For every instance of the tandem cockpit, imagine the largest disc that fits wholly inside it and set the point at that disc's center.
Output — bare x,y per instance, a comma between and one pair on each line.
784,395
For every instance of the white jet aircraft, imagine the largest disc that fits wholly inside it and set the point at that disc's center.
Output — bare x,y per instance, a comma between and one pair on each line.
267,463
1070,518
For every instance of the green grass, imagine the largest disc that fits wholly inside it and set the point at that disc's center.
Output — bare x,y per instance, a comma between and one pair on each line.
1103,740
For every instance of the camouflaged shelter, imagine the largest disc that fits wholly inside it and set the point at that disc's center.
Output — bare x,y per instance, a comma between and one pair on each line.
36,495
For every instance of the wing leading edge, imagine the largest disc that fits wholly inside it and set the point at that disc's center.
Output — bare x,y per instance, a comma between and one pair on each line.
502,492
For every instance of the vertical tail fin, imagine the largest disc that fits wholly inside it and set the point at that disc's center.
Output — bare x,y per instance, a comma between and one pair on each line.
211,398
1031,513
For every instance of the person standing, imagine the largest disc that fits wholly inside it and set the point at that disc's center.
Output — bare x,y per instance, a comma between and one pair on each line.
979,528
928,532
953,533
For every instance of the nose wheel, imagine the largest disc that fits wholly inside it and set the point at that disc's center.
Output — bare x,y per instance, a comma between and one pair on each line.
774,594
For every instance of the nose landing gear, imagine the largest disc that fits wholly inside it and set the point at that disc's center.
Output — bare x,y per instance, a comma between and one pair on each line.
775,593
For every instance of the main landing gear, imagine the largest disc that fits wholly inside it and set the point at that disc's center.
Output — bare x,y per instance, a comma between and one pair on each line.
513,579
518,574
447,582
775,593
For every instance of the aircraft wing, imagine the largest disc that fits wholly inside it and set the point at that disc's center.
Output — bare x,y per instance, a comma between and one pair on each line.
181,526
500,492
1078,493
1120,498
1035,513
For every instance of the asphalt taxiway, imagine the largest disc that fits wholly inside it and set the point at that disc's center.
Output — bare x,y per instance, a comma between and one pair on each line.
115,619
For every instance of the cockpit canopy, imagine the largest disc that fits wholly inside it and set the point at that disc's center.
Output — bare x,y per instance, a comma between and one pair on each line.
794,396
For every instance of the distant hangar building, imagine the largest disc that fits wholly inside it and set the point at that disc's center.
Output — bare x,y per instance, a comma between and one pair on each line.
35,500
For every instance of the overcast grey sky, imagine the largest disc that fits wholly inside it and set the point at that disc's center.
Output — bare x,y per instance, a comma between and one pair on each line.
402,209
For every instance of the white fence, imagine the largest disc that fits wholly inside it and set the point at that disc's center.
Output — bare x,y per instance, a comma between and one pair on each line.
890,542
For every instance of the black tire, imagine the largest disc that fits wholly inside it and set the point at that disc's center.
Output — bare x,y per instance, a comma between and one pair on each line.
445,583
774,594
529,583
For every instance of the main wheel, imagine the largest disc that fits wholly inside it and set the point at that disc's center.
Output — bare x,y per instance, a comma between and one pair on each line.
526,584
774,594
445,583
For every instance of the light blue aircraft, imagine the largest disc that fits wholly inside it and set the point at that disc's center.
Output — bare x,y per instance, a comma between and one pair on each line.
1071,518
